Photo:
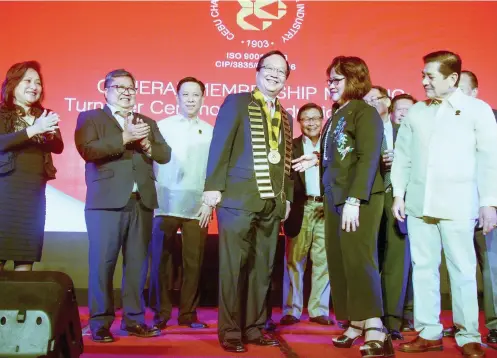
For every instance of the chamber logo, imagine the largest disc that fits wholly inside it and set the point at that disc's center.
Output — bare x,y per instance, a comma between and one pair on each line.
258,15
246,21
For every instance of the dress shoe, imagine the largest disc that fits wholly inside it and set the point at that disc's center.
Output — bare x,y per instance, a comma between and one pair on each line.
233,345
324,320
270,326
193,324
161,324
264,340
396,335
288,319
472,349
450,332
141,330
102,335
407,326
492,336
420,345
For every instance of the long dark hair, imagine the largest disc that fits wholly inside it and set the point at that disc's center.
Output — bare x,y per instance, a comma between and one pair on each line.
14,76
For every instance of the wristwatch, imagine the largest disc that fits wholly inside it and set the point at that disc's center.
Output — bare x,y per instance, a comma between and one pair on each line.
353,201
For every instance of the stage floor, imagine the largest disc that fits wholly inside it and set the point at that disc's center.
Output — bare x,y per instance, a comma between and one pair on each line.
303,340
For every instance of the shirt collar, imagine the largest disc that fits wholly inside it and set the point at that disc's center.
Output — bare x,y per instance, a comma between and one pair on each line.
195,120
266,99
308,140
114,110
453,99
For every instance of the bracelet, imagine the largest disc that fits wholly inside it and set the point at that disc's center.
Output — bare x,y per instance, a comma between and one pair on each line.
353,201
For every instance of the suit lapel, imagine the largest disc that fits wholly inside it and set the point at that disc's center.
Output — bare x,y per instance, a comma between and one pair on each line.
299,151
108,112
395,132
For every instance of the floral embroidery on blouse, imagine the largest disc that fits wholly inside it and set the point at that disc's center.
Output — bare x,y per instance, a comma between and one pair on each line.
340,138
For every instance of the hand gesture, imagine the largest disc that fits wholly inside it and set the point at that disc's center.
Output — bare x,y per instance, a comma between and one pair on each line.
487,219
350,217
133,132
46,123
304,162
287,211
399,208
387,157
211,198
204,215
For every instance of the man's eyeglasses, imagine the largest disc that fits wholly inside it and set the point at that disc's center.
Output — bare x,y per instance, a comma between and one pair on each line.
308,121
122,89
334,81
273,70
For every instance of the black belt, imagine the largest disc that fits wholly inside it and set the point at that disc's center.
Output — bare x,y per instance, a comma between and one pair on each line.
318,199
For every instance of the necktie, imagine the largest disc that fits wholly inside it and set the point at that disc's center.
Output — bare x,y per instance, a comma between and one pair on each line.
386,178
270,107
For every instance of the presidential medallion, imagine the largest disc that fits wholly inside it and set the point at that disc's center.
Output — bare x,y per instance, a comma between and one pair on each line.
274,156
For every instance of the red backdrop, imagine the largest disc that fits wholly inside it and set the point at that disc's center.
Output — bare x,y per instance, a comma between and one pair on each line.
77,43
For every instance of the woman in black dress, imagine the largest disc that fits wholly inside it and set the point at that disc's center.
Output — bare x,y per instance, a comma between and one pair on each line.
353,186
28,135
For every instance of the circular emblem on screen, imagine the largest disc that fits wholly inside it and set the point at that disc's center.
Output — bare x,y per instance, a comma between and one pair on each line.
258,23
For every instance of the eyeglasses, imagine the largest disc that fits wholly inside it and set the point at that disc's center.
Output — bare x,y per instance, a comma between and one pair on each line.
122,89
374,99
334,81
308,121
274,70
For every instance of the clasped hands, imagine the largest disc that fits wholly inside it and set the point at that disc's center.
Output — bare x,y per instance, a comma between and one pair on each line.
46,124
137,132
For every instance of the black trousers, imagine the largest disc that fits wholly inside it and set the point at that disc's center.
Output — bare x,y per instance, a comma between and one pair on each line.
247,245
109,231
396,269
353,261
193,238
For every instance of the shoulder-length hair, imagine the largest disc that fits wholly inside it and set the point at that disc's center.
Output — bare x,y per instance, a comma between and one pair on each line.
356,73
14,76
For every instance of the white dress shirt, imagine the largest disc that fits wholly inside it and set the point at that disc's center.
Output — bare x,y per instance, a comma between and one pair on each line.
180,182
445,158
312,185
388,133
122,122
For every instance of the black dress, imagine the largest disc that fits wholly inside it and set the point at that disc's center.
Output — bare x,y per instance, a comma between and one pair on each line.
22,195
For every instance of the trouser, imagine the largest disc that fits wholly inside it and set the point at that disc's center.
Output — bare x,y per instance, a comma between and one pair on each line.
161,274
247,245
310,241
129,228
427,238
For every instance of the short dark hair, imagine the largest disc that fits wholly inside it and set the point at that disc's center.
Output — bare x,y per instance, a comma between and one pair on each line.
13,77
450,62
402,96
472,77
118,73
356,73
307,106
271,53
190,79
383,91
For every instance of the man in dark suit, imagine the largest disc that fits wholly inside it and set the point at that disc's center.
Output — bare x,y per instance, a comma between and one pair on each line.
119,147
248,177
304,230
396,264
485,245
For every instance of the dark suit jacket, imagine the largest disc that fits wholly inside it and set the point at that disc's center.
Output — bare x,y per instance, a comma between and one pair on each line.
293,224
112,168
355,173
495,113
11,142
230,167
